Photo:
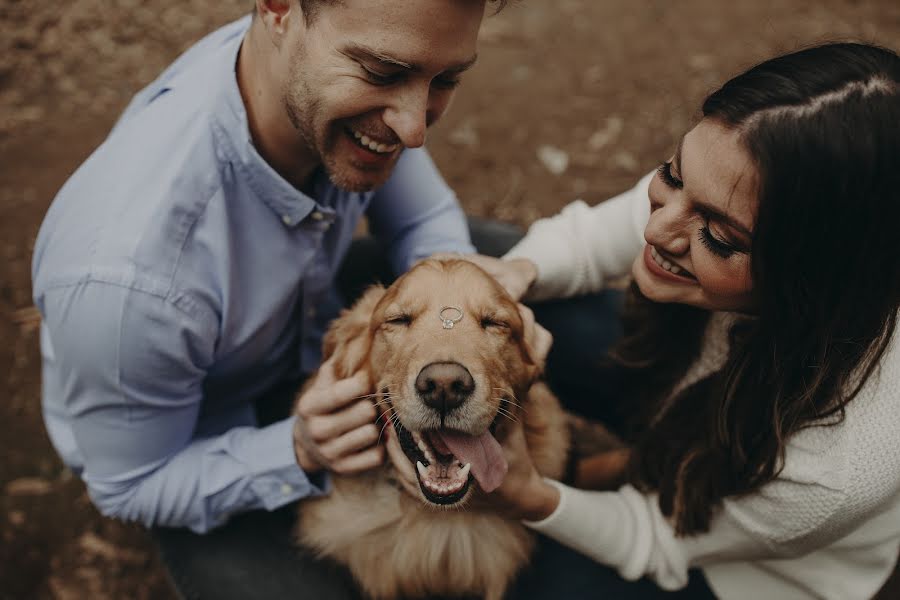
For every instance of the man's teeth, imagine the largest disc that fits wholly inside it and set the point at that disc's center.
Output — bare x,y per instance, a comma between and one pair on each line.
658,259
373,145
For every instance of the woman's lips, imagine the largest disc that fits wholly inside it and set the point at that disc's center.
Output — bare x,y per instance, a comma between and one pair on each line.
657,269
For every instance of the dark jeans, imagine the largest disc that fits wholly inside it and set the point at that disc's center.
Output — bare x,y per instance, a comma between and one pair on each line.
254,557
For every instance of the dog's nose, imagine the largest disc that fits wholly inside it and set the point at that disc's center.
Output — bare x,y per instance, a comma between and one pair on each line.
444,385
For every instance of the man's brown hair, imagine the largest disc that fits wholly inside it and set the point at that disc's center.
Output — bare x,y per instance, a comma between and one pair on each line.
311,7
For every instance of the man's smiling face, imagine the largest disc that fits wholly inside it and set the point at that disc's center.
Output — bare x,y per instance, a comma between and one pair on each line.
365,78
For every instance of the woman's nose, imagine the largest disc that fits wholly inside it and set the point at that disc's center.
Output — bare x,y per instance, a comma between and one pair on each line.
669,225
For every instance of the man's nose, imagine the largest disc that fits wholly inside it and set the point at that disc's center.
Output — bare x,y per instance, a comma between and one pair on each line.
408,116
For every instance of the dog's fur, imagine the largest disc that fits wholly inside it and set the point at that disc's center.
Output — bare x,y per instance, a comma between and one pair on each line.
402,546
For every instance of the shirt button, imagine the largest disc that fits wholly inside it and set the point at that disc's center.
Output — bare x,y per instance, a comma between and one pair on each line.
287,220
316,215
311,312
286,488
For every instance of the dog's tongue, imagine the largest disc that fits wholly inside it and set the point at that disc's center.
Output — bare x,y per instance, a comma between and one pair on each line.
482,452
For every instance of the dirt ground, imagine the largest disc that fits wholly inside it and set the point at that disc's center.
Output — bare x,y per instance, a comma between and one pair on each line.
570,98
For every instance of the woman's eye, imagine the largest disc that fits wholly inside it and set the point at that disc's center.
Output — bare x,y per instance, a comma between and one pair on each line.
668,177
718,247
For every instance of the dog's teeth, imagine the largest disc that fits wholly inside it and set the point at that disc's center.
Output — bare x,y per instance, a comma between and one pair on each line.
464,472
424,448
421,469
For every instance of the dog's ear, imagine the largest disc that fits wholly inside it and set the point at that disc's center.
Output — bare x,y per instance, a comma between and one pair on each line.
348,337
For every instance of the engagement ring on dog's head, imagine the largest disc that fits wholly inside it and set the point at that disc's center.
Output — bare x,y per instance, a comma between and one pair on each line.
450,316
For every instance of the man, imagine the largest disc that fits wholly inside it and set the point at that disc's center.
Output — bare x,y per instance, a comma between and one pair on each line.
185,272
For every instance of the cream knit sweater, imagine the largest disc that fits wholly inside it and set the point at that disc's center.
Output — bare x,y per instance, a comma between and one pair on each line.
827,527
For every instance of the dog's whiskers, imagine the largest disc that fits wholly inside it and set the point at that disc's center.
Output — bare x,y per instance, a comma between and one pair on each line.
390,416
505,413
386,401
511,402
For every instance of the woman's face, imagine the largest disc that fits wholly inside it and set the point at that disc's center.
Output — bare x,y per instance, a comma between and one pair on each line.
702,213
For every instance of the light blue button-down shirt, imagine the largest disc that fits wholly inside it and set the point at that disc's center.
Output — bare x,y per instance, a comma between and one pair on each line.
179,278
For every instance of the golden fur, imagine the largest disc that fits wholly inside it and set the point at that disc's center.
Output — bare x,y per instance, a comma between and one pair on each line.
402,546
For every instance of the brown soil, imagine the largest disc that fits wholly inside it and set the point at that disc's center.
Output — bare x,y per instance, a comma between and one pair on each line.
605,86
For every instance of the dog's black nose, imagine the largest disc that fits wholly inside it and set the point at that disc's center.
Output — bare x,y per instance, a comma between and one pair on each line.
444,385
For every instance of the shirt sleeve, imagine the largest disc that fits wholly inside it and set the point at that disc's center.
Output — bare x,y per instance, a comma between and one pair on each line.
128,369
416,214
580,249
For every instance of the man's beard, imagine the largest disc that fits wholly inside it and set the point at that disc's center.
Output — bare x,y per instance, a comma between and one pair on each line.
301,106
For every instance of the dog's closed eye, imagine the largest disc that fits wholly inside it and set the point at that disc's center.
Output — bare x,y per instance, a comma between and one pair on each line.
493,321
399,319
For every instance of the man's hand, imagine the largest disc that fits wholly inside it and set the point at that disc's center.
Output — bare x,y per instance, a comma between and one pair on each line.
335,427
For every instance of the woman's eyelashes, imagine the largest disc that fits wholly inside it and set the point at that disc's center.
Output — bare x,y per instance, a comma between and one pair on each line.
665,173
718,247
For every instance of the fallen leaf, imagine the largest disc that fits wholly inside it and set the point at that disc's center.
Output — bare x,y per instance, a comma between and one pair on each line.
555,160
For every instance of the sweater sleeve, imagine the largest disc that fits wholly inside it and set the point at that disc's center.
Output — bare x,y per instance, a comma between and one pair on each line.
835,478
627,531
577,251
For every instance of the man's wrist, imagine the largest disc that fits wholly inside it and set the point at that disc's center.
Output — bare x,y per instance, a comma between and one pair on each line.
305,459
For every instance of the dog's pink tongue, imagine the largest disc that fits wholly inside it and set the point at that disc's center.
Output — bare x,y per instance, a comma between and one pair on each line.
482,452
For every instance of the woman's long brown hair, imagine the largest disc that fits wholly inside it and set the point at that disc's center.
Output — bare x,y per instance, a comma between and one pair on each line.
821,125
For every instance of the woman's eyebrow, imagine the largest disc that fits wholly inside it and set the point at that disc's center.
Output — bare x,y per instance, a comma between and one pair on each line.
728,219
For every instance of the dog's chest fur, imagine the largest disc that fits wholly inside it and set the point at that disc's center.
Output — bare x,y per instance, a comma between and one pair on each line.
397,547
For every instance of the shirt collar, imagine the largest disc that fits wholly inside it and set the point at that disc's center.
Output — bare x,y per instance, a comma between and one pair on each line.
290,204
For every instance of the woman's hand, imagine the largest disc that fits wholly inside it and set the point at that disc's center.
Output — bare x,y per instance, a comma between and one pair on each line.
523,494
516,274
537,339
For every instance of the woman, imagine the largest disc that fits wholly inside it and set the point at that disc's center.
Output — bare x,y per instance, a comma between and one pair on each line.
760,335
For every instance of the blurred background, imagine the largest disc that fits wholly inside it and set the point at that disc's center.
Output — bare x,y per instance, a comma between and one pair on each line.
570,98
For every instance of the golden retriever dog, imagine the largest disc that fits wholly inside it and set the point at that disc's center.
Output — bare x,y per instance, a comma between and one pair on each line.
451,372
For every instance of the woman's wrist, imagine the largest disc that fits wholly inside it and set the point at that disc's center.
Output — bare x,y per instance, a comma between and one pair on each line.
526,272
539,501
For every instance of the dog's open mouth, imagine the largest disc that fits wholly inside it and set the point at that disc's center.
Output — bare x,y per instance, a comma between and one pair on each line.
447,462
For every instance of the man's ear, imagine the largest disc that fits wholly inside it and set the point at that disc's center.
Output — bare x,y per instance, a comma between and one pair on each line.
275,15
349,338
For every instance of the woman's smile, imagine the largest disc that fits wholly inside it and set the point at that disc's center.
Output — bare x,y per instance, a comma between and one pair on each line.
671,268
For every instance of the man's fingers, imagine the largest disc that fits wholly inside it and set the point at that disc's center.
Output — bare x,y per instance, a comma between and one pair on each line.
350,442
322,428
323,399
325,375
360,461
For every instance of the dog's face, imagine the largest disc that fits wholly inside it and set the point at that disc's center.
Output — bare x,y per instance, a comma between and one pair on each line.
448,360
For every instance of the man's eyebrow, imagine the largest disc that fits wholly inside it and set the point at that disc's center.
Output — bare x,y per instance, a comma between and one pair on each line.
708,208
358,51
